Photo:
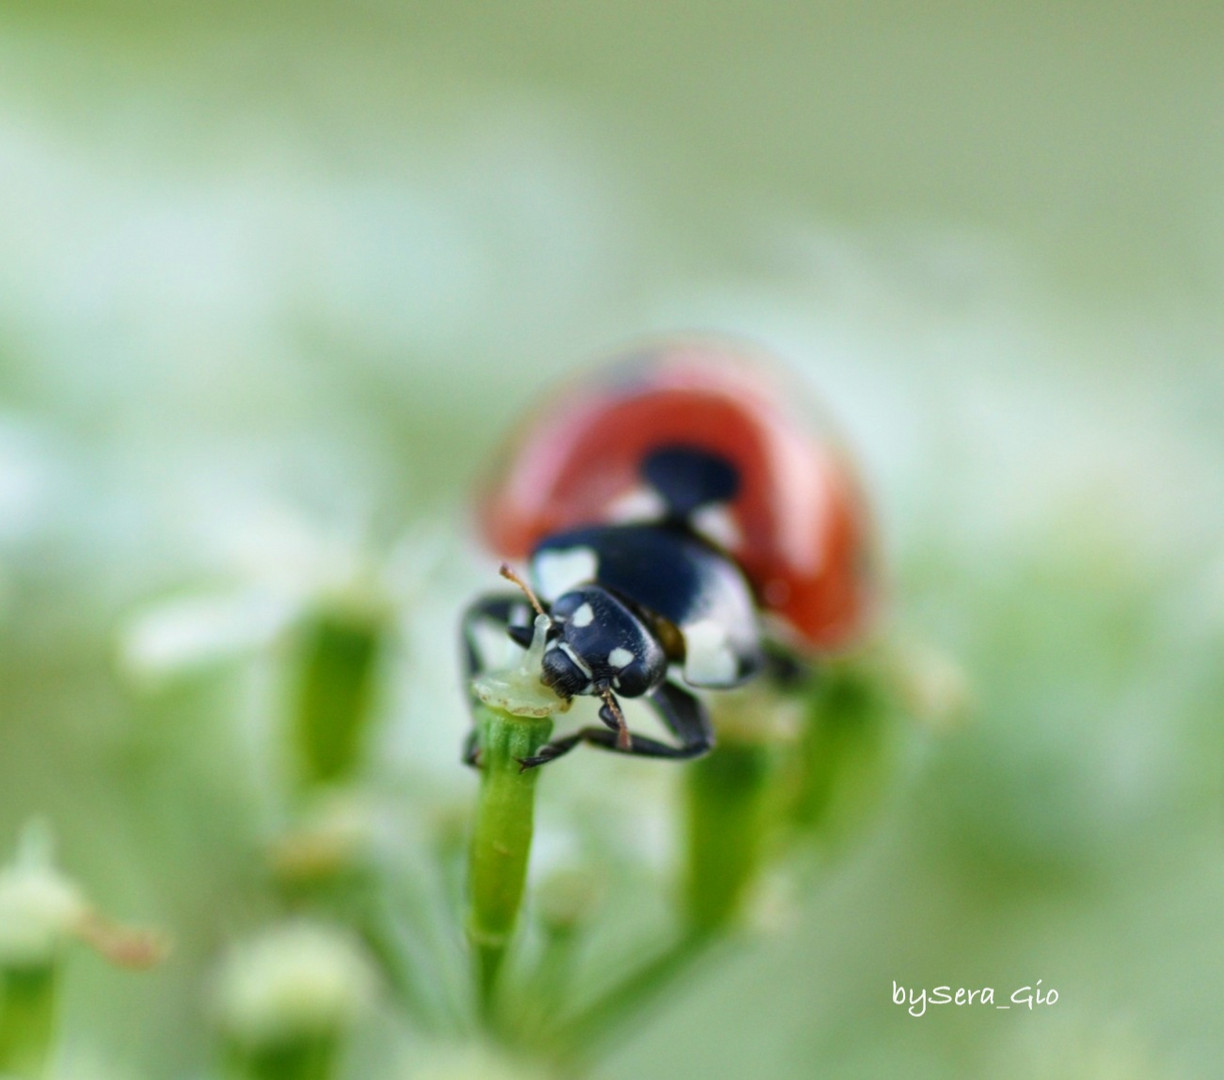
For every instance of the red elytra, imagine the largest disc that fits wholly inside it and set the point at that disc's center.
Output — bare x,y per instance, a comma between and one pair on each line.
802,534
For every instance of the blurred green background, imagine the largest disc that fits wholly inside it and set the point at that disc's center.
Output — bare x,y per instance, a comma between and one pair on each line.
276,275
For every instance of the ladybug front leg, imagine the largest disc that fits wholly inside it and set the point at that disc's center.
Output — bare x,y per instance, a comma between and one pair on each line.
684,715
486,625
471,749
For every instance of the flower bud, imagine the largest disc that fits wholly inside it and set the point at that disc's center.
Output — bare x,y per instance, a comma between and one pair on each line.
299,982
40,908
331,842
567,898
932,686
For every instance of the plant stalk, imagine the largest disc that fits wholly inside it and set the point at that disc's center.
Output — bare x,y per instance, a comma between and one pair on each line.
27,1020
501,841
339,653
728,794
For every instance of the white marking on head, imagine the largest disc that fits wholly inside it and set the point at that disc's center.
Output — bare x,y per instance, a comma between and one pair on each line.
619,657
639,504
568,650
709,659
584,616
716,523
556,572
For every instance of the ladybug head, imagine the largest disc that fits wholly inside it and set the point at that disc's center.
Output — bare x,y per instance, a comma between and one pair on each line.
600,644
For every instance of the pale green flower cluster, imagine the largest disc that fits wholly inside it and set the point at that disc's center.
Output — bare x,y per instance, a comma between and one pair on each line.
300,980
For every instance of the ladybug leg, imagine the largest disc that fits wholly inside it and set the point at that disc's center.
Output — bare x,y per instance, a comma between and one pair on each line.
471,749
686,718
783,667
485,626
684,715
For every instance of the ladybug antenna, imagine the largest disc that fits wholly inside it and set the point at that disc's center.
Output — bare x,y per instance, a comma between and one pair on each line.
623,741
510,574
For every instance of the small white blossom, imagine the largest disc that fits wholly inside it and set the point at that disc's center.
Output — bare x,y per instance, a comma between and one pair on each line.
276,565
40,908
299,980
932,685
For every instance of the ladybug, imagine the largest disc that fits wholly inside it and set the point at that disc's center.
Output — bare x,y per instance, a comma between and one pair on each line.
685,527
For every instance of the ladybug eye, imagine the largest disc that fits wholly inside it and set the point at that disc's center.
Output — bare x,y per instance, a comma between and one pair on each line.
563,672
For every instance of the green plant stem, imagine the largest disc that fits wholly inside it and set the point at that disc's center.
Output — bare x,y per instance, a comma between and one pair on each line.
312,1058
544,995
27,1019
842,753
501,841
338,655
727,796
582,1035
554,971
402,974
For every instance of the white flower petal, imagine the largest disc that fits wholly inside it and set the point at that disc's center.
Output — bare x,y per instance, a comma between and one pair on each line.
180,635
